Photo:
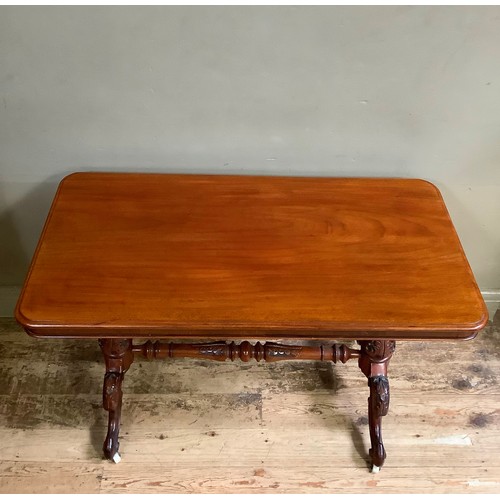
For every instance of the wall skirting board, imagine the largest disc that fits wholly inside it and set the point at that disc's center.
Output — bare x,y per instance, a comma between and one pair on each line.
9,295
492,299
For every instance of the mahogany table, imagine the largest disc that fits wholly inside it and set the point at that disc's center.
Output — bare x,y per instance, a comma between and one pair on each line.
216,259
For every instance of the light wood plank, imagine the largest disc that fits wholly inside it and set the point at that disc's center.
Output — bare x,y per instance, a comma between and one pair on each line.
41,477
304,479
222,446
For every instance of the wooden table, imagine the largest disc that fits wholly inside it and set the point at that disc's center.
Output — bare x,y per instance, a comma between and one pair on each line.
226,258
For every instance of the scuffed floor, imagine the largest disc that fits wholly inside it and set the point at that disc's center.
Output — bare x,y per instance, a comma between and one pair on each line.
290,427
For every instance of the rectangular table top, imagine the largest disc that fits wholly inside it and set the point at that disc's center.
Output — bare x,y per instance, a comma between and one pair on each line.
218,256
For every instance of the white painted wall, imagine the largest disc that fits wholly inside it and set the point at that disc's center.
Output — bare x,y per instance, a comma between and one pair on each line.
328,91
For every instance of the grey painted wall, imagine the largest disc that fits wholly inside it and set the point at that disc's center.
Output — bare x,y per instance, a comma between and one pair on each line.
328,91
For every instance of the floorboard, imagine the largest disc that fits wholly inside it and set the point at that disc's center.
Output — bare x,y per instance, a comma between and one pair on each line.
193,426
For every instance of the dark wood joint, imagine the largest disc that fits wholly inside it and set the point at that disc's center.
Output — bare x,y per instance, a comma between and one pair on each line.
375,355
118,354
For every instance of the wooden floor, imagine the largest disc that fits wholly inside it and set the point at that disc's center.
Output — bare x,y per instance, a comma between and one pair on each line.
291,427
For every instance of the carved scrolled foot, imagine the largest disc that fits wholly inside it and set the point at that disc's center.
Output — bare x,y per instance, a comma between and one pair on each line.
374,359
118,356
378,406
112,402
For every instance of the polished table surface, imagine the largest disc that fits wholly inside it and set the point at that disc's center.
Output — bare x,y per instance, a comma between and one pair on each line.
201,256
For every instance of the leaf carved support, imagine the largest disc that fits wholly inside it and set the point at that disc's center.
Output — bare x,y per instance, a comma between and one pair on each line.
118,356
373,362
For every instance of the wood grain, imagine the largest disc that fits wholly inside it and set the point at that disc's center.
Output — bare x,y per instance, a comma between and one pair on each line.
228,256
300,480
20,477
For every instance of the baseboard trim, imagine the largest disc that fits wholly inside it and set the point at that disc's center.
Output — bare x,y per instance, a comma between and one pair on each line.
492,300
10,294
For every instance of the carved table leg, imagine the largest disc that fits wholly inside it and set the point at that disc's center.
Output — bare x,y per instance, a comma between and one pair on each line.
375,356
118,356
